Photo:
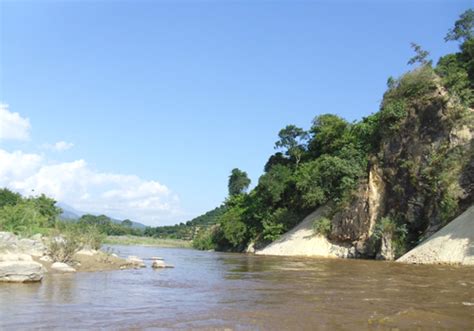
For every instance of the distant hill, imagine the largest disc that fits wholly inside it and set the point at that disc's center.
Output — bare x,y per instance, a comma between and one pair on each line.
69,213
187,230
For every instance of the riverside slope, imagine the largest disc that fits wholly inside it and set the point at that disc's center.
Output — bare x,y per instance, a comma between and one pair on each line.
453,244
302,241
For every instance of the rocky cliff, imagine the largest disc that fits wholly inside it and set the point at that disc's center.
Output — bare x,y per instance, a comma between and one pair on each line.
421,175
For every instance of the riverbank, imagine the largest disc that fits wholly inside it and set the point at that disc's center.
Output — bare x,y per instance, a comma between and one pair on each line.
453,244
147,241
30,259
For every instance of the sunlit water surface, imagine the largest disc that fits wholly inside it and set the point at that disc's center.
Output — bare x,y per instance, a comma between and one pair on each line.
209,290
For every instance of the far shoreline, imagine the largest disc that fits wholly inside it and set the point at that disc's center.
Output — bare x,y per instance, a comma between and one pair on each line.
129,240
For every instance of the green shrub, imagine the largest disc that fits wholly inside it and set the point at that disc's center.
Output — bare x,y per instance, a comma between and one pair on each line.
322,226
388,227
63,245
391,116
412,85
204,240
22,218
92,236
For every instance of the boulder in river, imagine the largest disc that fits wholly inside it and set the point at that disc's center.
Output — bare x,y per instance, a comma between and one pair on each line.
20,268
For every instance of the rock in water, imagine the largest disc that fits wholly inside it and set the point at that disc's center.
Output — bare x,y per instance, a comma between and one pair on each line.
62,267
158,264
21,271
135,262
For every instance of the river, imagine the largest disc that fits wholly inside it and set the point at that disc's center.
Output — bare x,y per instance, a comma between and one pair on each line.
208,290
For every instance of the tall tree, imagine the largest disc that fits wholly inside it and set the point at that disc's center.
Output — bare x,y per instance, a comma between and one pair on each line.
463,28
329,134
238,182
294,140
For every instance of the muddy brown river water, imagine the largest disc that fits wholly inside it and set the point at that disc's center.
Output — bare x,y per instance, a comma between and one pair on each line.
209,290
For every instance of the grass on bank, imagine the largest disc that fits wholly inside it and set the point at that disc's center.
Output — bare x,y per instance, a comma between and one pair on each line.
147,241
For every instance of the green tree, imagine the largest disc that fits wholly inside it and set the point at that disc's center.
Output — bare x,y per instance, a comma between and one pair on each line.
329,134
293,140
326,178
420,55
273,184
233,226
8,197
463,28
47,208
238,182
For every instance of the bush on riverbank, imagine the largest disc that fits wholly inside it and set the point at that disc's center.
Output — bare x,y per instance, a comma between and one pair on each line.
26,216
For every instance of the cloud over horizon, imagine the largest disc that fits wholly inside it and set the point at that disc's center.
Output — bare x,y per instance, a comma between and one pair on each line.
12,125
78,184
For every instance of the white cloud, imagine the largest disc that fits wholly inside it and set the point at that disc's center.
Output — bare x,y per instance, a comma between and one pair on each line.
60,146
12,125
77,184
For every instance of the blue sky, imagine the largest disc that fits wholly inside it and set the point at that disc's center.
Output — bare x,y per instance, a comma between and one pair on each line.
180,92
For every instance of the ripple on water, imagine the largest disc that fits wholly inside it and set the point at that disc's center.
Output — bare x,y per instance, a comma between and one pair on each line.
216,291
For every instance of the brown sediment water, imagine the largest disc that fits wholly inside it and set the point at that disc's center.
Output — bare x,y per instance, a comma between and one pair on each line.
208,290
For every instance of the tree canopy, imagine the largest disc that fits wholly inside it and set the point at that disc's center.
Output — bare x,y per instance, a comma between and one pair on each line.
238,182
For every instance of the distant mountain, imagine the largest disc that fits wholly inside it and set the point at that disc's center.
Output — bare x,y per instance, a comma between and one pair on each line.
69,213
135,225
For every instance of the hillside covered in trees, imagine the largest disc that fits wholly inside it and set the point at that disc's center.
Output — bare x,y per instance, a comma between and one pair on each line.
402,172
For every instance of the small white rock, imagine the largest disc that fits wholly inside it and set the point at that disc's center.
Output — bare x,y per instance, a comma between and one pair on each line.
136,262
62,267
158,264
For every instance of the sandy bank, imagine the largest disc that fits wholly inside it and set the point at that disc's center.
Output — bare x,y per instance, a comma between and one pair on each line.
301,241
453,244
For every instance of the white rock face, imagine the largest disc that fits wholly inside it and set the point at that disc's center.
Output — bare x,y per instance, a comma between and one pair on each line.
62,267
453,244
33,246
301,241
21,271
10,256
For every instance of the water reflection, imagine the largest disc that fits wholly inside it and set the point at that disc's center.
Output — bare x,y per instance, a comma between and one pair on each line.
214,290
